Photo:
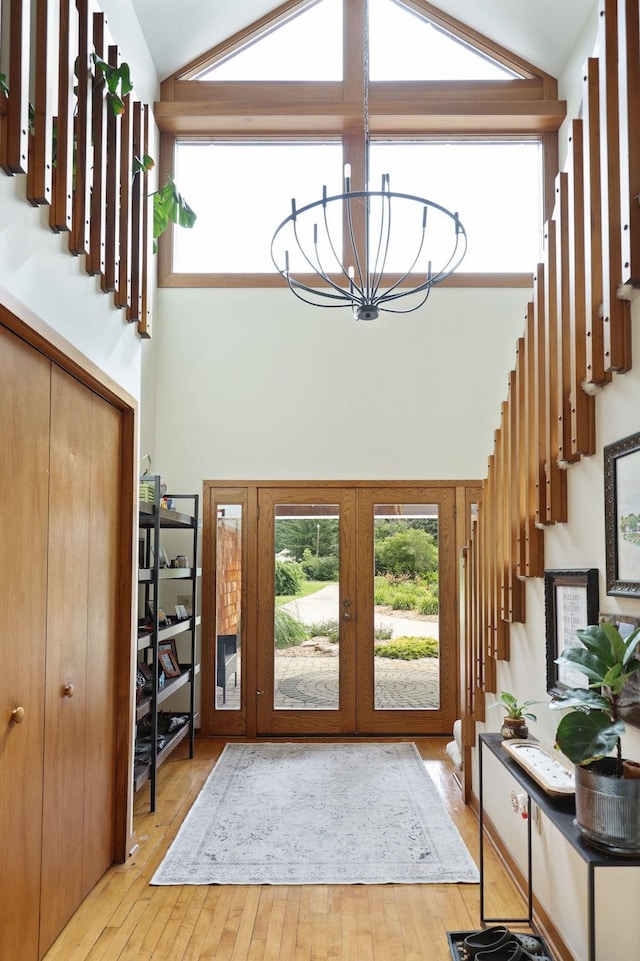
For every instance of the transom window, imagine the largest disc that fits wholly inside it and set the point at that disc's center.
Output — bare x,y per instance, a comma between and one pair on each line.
275,112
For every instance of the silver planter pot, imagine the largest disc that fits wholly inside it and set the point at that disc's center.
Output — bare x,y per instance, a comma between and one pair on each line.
608,808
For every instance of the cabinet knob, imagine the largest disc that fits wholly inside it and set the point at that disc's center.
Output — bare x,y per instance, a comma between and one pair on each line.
68,690
17,715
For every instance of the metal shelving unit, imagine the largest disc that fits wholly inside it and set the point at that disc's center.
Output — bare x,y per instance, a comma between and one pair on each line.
153,519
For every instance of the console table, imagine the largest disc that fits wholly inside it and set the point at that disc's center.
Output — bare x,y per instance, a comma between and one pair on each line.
561,813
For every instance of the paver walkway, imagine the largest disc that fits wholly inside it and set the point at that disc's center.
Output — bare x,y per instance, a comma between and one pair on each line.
310,682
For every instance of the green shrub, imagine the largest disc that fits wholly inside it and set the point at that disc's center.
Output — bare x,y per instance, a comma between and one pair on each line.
408,648
288,630
383,633
320,568
407,552
428,604
289,578
404,599
329,628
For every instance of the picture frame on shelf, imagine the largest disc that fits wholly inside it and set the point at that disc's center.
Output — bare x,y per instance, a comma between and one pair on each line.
629,703
571,603
168,663
169,645
622,516
186,600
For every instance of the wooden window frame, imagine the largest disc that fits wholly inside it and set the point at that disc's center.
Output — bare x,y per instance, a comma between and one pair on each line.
526,108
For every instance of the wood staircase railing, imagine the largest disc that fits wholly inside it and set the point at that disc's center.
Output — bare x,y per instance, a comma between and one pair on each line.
577,334
79,162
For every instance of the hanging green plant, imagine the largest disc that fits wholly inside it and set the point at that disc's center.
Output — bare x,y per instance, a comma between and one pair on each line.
169,206
117,81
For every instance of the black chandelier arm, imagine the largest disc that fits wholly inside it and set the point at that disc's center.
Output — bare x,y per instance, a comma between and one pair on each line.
376,277
407,310
401,280
359,285
314,303
431,281
350,280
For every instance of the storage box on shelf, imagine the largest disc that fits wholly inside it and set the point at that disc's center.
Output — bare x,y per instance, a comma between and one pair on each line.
166,642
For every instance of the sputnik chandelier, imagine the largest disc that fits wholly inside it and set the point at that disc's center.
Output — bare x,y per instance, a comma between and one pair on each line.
431,239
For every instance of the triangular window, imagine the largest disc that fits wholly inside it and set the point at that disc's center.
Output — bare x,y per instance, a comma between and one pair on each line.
404,45
306,47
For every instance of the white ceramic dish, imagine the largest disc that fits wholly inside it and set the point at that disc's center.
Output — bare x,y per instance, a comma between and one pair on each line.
540,764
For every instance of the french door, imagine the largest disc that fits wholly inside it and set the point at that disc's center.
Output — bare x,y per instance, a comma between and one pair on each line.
316,658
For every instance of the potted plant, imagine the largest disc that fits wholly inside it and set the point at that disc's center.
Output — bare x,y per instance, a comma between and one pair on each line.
514,723
607,790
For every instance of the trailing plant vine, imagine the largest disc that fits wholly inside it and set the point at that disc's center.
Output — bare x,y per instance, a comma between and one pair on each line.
169,206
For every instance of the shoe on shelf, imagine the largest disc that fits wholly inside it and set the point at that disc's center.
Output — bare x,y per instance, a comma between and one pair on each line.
511,951
492,938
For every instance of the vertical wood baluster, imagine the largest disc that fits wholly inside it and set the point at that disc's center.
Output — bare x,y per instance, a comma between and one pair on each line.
582,405
79,236
550,371
512,491
503,504
593,236
534,566
629,94
60,209
112,195
144,326
40,176
478,660
522,478
95,261
563,275
14,143
540,423
134,311
122,296
615,313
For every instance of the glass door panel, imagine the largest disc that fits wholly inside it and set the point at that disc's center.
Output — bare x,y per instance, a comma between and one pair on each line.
306,661
306,615
226,620
228,616
405,597
407,627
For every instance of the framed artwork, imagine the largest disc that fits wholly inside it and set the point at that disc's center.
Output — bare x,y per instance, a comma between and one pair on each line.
168,663
622,516
629,703
571,604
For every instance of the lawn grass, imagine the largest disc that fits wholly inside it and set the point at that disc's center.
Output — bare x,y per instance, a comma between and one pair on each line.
309,587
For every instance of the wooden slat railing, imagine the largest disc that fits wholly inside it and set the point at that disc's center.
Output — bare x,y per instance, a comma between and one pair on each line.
577,337
78,162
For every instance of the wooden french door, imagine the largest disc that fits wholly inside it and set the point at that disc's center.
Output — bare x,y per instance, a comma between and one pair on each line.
285,700
353,690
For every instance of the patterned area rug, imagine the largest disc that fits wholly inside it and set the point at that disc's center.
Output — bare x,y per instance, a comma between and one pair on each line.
318,814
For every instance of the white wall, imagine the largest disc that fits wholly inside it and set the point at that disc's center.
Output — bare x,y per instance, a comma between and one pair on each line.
251,384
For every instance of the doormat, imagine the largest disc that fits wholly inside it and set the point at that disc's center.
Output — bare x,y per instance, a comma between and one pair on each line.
318,814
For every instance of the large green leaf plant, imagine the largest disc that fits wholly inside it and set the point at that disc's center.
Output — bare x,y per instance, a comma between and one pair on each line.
593,727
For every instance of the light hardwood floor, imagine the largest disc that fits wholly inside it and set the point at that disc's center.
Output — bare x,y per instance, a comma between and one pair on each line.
125,919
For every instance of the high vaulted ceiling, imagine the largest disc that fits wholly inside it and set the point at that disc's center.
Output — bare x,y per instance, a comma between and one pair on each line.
542,32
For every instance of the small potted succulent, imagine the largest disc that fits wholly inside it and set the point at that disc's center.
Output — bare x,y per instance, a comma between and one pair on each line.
514,723
607,787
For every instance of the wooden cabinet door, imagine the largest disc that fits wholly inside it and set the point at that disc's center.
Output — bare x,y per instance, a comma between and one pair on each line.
24,483
66,659
104,490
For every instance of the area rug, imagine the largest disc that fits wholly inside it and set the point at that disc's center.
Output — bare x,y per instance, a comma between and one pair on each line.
318,814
